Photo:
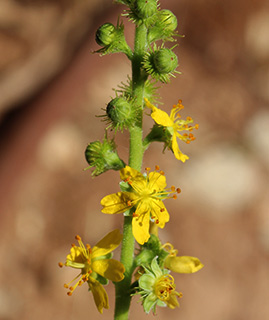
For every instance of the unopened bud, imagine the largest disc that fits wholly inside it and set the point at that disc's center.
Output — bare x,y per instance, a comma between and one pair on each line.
119,111
145,8
105,34
103,156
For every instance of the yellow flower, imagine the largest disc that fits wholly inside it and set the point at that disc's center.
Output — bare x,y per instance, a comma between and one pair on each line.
95,266
180,264
146,195
174,125
157,288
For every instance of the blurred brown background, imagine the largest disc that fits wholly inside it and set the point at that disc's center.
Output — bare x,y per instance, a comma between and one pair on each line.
51,89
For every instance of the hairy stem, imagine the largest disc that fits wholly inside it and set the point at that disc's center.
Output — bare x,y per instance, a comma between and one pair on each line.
123,297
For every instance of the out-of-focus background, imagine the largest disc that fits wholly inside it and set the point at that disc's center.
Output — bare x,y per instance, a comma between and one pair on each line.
51,89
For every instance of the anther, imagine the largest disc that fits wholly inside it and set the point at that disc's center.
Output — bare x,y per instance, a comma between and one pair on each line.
157,168
157,221
129,203
178,190
189,119
196,126
174,196
162,209
147,169
173,188
71,289
69,293
73,245
77,237
60,264
162,172
66,286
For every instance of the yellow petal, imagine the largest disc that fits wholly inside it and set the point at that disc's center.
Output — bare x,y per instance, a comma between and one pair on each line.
141,224
183,264
159,211
99,294
110,242
161,118
76,255
128,171
109,268
172,302
157,181
178,154
116,202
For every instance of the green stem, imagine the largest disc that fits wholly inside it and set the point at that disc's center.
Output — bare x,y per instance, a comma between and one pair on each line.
136,151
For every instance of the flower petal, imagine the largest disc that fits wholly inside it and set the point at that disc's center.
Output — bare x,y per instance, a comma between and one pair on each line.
157,181
172,302
140,223
128,171
159,211
76,256
183,264
109,268
110,242
116,202
159,116
99,294
178,154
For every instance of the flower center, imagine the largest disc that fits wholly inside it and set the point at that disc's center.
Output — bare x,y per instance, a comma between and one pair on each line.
164,287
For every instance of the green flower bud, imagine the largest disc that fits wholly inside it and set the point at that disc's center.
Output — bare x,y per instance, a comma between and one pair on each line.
120,113
164,60
112,39
145,8
161,64
166,24
103,156
105,34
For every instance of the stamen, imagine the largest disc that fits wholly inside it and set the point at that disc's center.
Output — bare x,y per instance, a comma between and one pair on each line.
147,169
129,203
174,196
162,172
178,190
78,238
196,126
157,168
66,286
69,293
189,119
60,264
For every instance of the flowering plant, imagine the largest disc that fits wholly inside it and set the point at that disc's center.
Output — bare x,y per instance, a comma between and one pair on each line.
146,270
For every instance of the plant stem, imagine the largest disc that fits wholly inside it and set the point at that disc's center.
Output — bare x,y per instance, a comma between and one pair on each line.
136,151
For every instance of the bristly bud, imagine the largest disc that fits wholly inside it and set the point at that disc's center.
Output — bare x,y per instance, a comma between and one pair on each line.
103,156
112,39
105,34
145,8
160,64
143,11
120,113
164,27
